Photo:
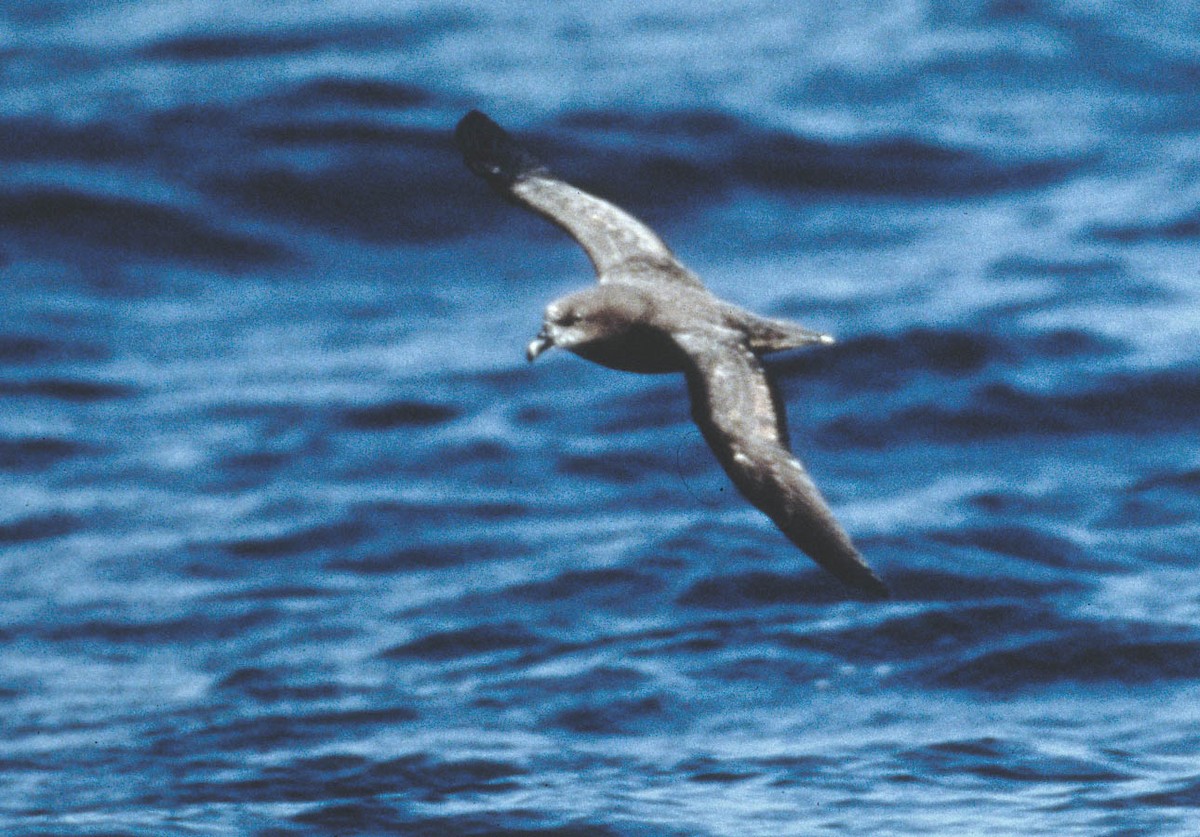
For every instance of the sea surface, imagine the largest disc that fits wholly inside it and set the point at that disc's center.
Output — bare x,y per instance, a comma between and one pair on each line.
293,541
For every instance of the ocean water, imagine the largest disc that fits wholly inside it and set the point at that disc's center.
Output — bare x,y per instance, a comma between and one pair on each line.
294,542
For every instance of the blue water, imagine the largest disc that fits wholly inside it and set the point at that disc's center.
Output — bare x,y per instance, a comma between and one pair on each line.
293,541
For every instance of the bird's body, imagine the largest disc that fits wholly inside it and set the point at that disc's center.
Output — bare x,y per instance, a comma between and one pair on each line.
650,314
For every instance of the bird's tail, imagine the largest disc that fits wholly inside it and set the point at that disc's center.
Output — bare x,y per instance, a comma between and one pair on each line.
770,335
491,153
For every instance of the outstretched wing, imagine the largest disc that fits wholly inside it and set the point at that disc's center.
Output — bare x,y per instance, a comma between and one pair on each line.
736,410
617,243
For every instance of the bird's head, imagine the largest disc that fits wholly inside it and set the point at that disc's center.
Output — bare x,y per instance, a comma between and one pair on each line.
599,313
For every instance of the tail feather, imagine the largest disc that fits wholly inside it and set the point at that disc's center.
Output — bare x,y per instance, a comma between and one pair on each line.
768,335
490,152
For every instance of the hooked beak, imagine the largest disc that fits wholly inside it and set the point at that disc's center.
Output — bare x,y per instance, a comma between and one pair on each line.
539,344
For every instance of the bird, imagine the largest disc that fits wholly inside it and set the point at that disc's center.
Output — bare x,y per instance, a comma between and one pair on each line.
648,313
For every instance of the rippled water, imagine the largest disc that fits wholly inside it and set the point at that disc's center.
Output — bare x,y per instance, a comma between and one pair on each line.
295,542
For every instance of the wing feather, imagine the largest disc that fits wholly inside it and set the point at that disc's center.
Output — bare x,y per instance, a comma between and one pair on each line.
736,410
617,244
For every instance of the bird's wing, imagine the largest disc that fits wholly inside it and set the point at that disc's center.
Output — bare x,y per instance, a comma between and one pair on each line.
740,417
618,244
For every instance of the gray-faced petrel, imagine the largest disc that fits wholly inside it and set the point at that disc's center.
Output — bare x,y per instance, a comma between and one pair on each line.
650,314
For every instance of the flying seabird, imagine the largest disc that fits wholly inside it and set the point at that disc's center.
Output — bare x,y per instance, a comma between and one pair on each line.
650,314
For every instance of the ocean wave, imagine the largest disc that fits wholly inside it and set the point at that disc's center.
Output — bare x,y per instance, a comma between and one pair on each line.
123,227
397,414
679,157
756,589
35,453
1103,653
37,527
1185,227
78,390
934,635
467,642
1160,401
991,759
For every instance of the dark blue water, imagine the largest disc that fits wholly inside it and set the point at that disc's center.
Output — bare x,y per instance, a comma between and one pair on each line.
294,542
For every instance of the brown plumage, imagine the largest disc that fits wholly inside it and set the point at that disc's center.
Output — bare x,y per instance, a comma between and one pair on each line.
651,314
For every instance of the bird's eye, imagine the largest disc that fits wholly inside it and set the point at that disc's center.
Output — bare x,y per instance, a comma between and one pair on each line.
568,319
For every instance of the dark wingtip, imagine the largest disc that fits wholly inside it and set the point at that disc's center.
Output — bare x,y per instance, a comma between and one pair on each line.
857,575
862,579
490,152
873,589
